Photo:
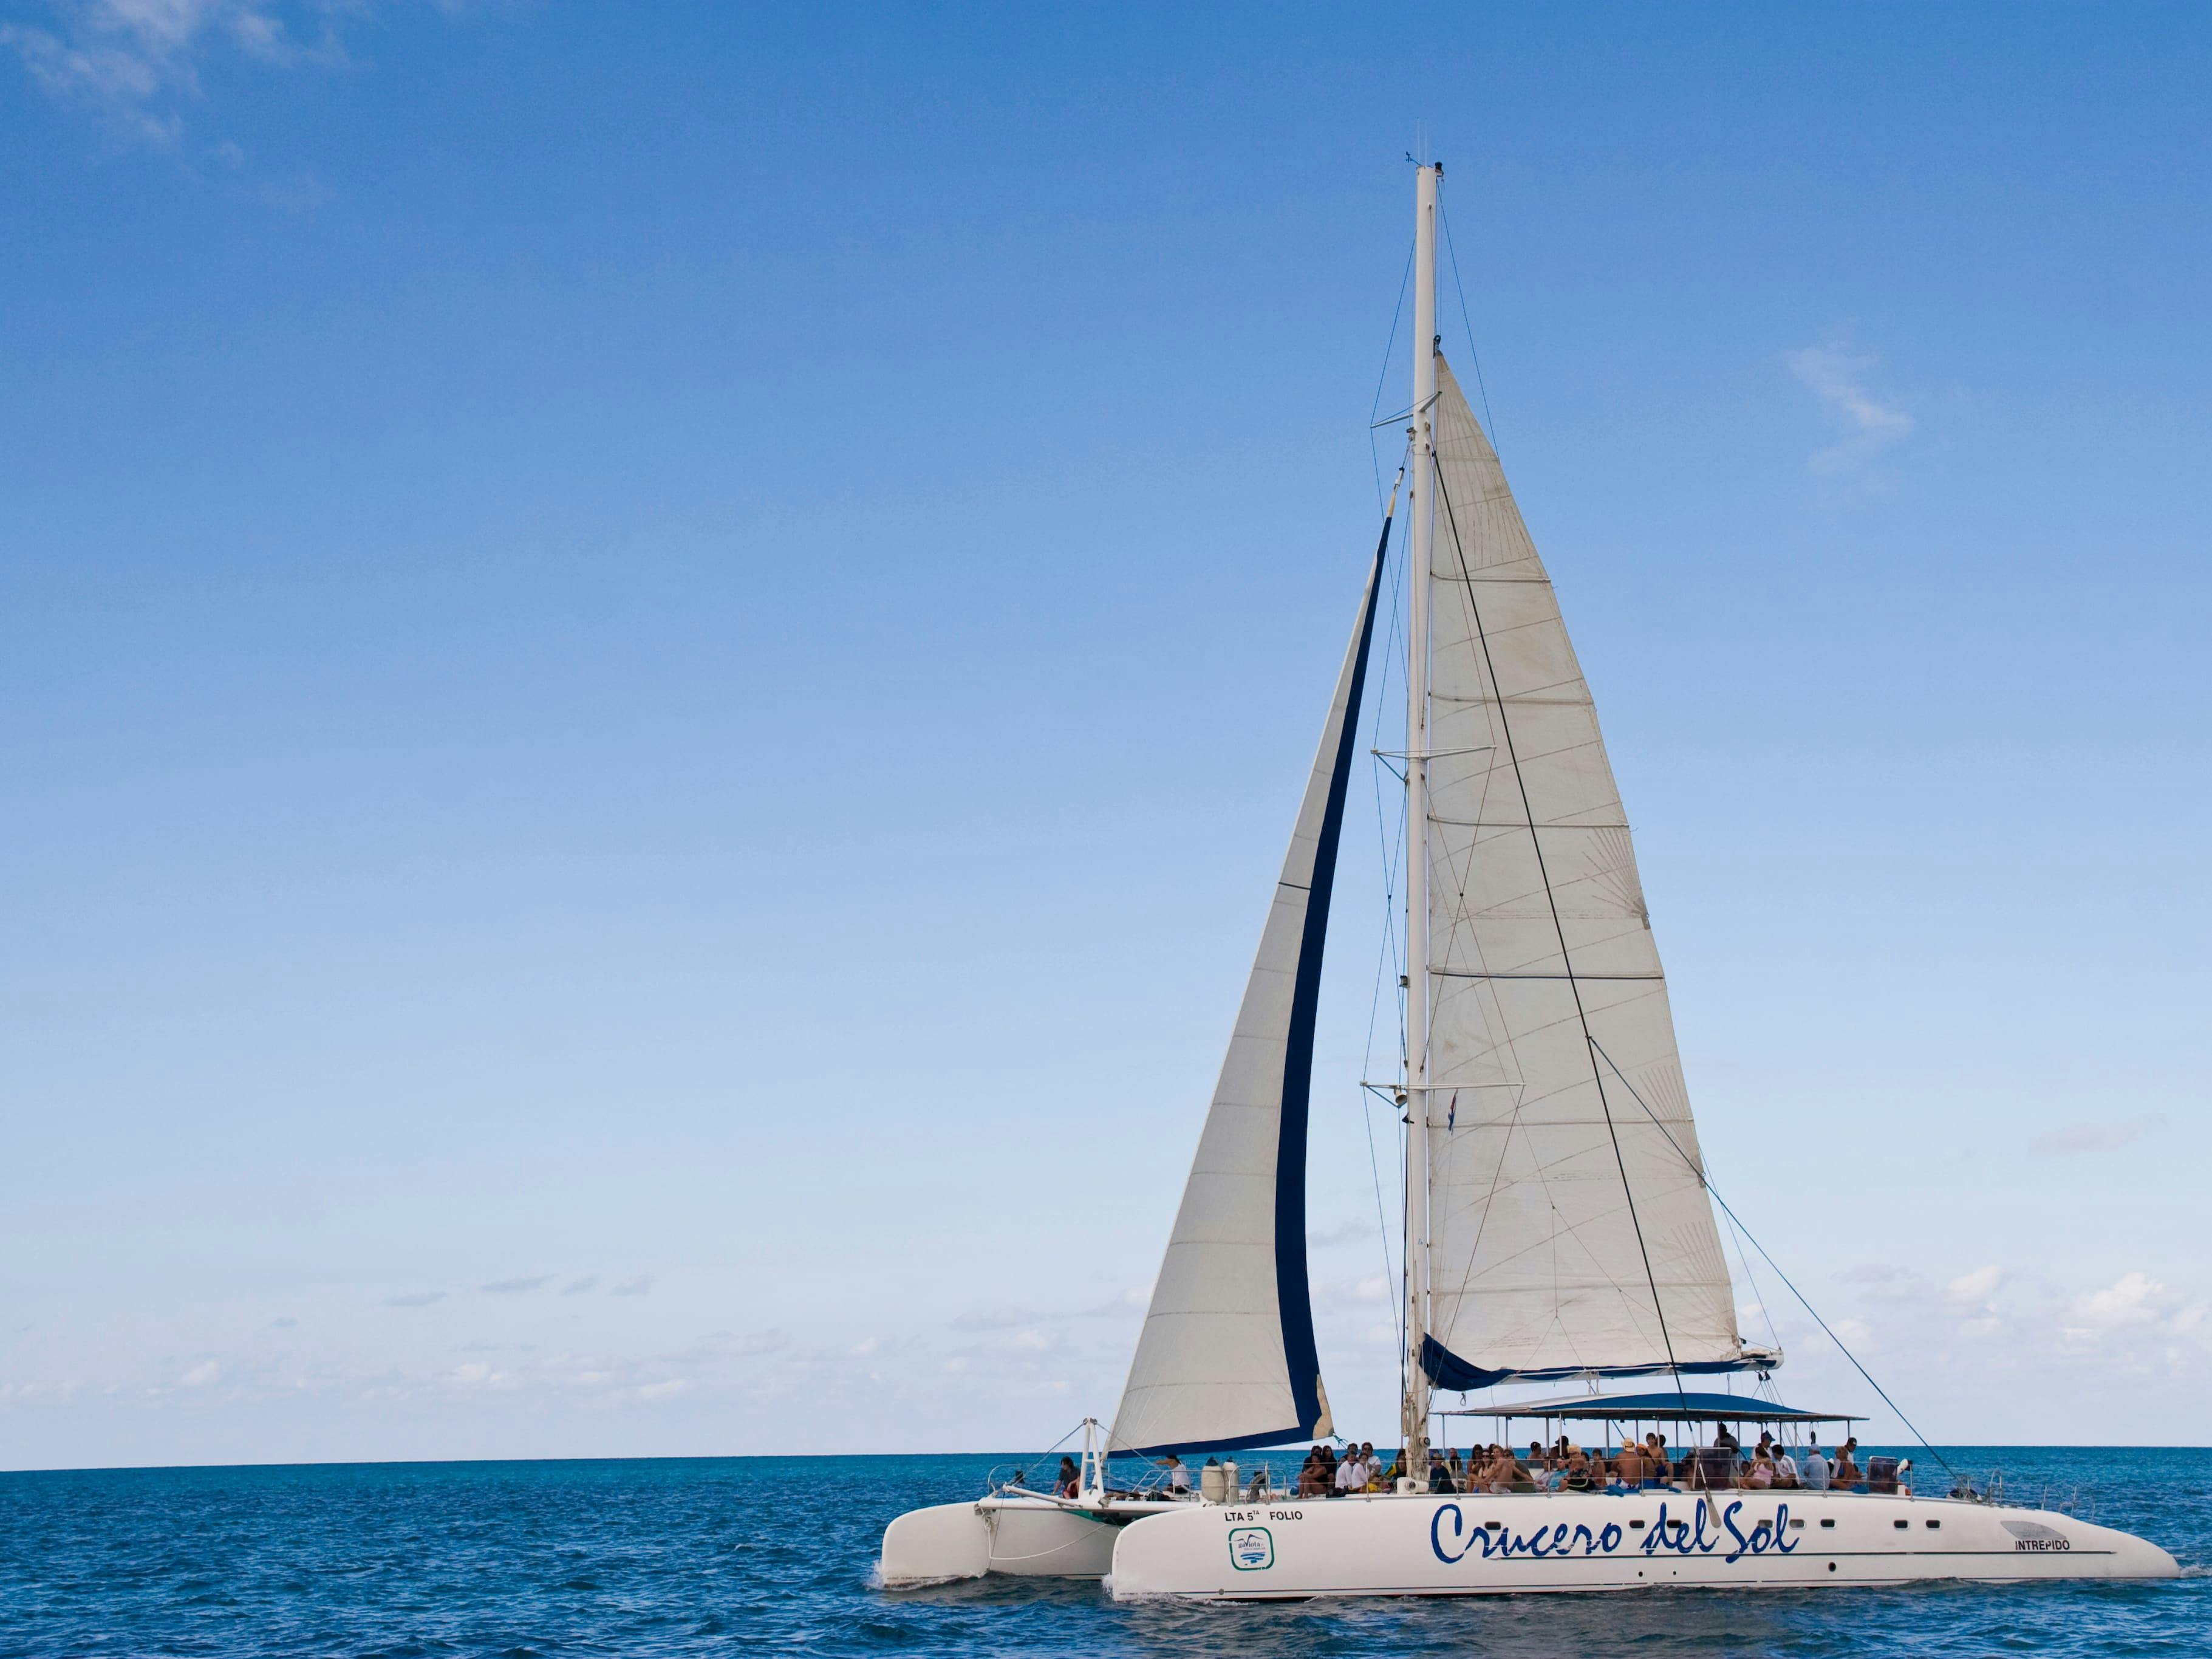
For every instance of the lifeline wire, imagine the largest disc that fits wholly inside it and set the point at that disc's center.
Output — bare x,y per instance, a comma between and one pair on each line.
1926,1444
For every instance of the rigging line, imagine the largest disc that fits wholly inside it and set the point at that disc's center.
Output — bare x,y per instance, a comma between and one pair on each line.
1473,356
1389,851
1386,949
1536,841
1752,1278
1714,1193
1373,457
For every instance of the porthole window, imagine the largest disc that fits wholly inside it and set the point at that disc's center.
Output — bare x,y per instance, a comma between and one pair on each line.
1900,1525
1829,1522
1935,1523
1798,1525
1638,1526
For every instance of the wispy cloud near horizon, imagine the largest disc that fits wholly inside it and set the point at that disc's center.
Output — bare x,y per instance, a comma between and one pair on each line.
1836,374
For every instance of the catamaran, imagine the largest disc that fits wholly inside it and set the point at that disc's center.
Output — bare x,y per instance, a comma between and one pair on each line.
1559,1226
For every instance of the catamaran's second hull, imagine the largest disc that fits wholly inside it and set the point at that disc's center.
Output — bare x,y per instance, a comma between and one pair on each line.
1474,1544
1024,1536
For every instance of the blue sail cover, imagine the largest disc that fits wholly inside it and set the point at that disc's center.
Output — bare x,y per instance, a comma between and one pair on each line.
1226,1359
1448,1370
1663,1407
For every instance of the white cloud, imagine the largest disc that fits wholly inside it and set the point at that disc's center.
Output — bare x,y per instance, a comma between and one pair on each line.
1976,1286
201,1374
136,62
1834,373
2094,1137
641,1285
2132,1299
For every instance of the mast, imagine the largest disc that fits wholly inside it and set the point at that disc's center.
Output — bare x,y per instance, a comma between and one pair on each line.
1414,1424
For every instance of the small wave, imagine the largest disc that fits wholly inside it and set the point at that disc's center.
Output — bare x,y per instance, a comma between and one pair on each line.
877,1582
2195,1570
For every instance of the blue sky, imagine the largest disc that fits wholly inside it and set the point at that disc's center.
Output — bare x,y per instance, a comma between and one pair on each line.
656,661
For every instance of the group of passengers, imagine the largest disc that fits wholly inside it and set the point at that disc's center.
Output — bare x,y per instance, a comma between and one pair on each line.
1724,1465
1324,1474
1566,1467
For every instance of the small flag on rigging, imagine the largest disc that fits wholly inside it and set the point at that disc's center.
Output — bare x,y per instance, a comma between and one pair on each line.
1451,1111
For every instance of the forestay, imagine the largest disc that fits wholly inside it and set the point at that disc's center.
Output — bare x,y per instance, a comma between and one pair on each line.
1226,1356
1567,1206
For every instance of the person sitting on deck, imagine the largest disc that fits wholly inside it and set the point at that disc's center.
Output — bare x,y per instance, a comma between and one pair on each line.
1350,1474
1397,1472
1498,1473
1760,1476
1070,1480
1440,1473
1325,1468
1724,1439
1536,1460
1628,1464
1310,1477
1655,1448
1178,1475
1847,1469
1459,1470
1577,1475
1813,1467
1373,1464
1785,1469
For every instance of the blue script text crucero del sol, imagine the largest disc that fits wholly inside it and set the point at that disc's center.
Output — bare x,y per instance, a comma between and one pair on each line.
1682,1537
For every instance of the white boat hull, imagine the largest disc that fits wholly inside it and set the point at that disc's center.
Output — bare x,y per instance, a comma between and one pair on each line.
1410,1545
1025,1537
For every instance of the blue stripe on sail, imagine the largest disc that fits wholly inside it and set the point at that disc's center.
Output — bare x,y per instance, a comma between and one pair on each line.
1241,1442
1448,1370
1293,1294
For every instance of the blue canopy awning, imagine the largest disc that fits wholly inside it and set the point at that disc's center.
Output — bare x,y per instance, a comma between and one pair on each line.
1670,1406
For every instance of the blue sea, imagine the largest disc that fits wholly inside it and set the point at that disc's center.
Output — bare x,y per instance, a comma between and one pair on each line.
721,1556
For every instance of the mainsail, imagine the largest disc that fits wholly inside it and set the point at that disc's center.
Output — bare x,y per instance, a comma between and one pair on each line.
1569,1228
1226,1357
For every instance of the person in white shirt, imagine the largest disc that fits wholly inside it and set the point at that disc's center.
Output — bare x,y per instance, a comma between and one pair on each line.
1178,1476
1351,1474
1785,1466
1813,1470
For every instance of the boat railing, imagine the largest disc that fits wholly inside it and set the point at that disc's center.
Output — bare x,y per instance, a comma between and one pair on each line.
1277,1480
1261,1480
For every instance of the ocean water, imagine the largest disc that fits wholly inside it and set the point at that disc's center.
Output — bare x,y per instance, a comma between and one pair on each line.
723,1556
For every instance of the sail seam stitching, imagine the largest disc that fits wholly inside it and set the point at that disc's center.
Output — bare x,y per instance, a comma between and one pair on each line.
1597,1075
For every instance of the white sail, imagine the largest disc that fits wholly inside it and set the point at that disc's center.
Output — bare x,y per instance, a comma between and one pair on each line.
1226,1356
1569,1226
